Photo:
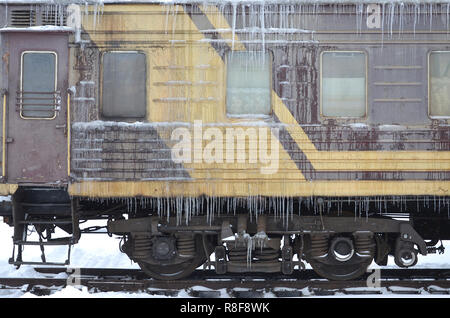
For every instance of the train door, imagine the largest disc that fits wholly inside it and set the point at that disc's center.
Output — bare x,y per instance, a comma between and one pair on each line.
37,143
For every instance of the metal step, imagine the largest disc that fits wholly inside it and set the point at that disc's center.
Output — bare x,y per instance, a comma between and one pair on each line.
55,222
46,208
42,208
44,195
59,241
18,263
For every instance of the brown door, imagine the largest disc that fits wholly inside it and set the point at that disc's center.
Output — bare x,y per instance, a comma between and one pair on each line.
37,107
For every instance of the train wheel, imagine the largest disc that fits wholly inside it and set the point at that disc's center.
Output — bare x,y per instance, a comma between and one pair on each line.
351,269
336,259
169,271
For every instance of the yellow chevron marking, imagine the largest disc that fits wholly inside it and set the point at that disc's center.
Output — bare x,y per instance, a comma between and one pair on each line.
359,160
221,25
225,171
345,160
381,160
294,129
279,108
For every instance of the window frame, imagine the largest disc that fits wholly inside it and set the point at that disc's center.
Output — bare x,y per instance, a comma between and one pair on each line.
433,117
366,71
249,116
101,69
21,81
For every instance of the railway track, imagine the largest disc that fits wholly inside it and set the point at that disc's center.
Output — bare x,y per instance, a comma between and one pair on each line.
210,285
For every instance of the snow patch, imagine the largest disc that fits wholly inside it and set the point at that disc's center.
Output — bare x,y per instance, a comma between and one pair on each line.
46,28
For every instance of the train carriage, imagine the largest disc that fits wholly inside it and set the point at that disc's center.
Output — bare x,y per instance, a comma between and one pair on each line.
269,133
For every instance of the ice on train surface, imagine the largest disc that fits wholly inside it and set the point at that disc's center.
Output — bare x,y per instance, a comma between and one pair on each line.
261,132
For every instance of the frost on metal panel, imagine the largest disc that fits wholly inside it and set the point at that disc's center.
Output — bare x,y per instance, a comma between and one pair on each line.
46,28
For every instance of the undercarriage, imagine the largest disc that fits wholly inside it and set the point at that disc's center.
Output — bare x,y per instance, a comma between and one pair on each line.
337,248
170,240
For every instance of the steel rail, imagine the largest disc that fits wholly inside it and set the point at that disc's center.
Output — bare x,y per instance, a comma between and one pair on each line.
302,283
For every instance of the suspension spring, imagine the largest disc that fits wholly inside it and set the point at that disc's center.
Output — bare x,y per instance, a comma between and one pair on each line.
266,254
237,254
319,245
364,245
142,246
186,245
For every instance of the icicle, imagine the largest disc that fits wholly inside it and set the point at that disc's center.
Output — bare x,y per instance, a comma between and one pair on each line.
168,208
263,28
243,16
233,32
447,15
448,208
431,16
359,16
400,29
299,206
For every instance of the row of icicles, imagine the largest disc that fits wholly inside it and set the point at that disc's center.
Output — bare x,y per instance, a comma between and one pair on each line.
261,16
283,208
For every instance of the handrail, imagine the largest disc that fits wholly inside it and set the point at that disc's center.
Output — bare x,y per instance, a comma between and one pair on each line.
68,133
4,135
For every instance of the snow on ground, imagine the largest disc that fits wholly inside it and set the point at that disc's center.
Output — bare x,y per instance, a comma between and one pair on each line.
102,251
93,250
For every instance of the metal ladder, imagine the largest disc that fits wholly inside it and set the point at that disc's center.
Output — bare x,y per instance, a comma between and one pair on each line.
43,209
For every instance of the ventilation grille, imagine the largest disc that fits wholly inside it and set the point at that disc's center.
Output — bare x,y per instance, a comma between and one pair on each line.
54,17
23,18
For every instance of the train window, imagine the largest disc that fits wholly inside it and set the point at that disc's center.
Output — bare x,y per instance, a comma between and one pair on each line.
248,83
124,76
439,77
343,84
37,97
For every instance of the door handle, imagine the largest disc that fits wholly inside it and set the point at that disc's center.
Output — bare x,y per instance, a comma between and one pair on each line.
64,126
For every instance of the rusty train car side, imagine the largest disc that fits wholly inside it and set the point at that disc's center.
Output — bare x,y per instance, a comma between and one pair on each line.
300,130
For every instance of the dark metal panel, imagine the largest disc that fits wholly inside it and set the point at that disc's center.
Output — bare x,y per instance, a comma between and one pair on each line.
295,76
398,85
37,151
